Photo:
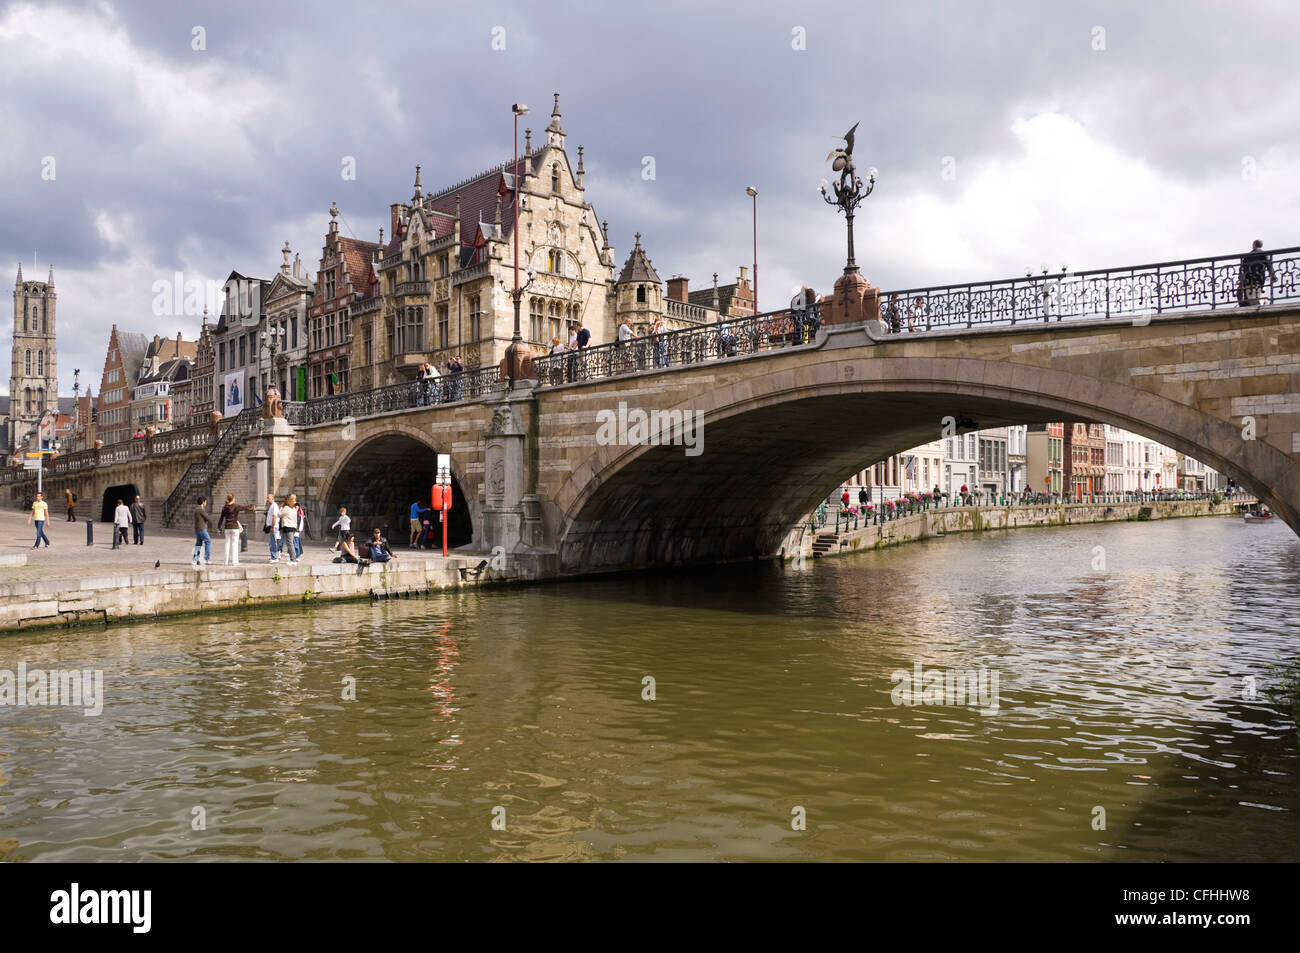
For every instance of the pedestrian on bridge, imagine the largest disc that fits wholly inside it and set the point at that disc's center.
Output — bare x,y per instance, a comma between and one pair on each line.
1256,272
138,516
571,363
894,315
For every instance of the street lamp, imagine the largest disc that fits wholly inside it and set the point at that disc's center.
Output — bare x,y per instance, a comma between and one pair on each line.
849,190
519,359
753,194
272,337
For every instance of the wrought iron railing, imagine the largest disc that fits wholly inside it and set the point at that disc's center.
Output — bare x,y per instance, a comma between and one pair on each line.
447,389
1135,291
764,332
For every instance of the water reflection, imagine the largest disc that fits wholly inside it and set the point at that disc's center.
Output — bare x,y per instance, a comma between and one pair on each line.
1119,689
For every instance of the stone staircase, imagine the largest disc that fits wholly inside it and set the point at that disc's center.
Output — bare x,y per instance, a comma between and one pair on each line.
201,476
824,543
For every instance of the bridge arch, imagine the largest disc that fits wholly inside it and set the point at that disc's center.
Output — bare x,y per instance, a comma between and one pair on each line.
387,470
774,447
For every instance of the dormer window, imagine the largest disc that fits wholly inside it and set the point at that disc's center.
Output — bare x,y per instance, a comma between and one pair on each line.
555,177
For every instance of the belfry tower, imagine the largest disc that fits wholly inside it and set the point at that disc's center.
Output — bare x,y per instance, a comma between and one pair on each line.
33,371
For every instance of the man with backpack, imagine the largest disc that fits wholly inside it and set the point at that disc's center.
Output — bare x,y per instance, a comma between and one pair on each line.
72,507
1256,273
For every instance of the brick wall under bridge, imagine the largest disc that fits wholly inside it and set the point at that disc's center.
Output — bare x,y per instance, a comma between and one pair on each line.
782,428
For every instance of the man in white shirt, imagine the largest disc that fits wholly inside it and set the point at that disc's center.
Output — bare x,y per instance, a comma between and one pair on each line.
272,527
622,342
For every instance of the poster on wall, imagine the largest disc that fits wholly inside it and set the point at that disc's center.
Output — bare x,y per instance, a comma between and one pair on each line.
234,393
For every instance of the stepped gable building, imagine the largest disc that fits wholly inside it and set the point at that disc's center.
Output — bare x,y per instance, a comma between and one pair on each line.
446,274
167,363
340,280
33,374
122,363
202,397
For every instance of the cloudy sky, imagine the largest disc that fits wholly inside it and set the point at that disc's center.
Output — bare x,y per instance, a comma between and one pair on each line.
141,139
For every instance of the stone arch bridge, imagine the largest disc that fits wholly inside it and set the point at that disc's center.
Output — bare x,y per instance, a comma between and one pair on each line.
561,474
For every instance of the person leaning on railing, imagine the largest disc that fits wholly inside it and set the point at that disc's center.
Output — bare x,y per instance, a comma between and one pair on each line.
1256,272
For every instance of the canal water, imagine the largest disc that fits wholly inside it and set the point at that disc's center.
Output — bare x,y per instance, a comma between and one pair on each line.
518,724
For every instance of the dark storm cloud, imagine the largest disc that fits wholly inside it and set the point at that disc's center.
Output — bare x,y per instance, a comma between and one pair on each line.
172,157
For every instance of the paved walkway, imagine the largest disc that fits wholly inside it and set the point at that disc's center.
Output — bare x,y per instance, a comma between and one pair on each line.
68,555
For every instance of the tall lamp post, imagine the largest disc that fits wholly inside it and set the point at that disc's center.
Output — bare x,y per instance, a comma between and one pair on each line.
753,194
849,190
519,359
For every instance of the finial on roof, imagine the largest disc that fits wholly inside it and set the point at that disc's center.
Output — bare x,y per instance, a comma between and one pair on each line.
417,184
528,141
381,236
286,253
555,132
205,317
20,274
50,280
604,231
638,240
458,205
579,160
555,112
498,219
334,209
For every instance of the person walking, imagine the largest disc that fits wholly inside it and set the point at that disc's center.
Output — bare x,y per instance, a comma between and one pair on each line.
40,513
844,498
1256,272
862,496
72,506
202,539
289,528
138,516
228,525
415,524
121,521
272,527
343,524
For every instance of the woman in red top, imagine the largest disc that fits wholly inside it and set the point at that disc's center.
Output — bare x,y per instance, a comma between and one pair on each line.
844,500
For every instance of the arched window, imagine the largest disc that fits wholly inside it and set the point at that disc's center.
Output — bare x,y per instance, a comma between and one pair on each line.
36,318
40,363
640,294
555,177
25,316
40,400
27,400
27,362
554,261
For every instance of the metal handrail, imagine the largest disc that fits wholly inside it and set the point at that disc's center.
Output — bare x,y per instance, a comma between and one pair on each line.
1134,290
446,389
773,330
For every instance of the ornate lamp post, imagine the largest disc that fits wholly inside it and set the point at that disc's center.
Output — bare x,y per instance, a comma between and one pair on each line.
849,190
519,358
272,337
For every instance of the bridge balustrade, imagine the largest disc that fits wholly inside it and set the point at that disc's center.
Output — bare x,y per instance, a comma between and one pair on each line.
771,331
1194,283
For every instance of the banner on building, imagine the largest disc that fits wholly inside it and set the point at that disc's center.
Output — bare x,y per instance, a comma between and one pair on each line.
300,383
234,394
